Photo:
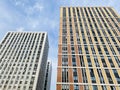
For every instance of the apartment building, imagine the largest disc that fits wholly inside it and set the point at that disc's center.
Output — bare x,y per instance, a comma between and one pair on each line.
23,60
88,49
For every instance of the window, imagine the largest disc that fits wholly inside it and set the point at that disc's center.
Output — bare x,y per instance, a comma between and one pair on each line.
65,87
86,49
90,40
76,87
65,61
117,60
80,49
69,12
106,50
112,87
86,87
78,12
103,61
64,75
74,61
96,61
75,77
72,50
95,87
110,61
99,49
114,40
82,61
64,40
102,41
93,50
92,76
96,41
89,61
109,76
84,75
116,75
100,75
104,87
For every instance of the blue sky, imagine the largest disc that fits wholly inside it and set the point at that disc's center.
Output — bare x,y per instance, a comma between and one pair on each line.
42,15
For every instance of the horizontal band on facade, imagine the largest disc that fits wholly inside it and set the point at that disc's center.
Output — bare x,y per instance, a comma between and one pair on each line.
88,54
86,36
89,17
88,67
88,84
84,44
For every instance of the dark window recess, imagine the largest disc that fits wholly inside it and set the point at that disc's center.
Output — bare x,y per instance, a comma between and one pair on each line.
92,76
109,76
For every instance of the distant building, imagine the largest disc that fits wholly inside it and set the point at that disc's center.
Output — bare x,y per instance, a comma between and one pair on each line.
89,49
48,76
23,60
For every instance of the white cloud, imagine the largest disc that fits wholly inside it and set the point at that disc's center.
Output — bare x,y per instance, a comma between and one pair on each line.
34,9
20,29
35,24
19,2
38,6
29,7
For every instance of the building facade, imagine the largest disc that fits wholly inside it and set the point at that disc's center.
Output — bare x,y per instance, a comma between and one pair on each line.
48,76
23,59
89,49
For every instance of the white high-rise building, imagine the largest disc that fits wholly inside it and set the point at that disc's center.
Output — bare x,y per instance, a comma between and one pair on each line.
23,60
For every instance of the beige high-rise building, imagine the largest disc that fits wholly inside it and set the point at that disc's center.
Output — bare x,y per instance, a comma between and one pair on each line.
89,49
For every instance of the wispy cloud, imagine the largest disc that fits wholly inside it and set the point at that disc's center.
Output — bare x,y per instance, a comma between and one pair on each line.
18,3
38,6
20,29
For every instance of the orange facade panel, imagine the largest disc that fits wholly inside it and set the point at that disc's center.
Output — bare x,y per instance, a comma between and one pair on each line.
59,75
59,87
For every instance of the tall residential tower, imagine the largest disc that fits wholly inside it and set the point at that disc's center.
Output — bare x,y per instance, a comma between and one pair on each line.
89,49
23,60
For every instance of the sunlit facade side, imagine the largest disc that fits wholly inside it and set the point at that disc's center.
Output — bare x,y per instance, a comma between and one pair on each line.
88,49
